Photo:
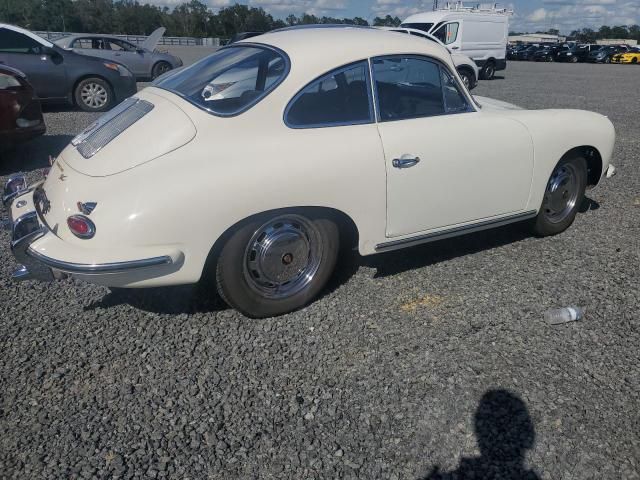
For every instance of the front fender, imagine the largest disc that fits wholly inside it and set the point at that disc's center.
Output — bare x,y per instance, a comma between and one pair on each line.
555,133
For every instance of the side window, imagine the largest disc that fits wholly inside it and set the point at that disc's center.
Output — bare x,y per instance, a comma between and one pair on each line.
81,43
15,42
339,98
447,33
407,87
454,100
121,45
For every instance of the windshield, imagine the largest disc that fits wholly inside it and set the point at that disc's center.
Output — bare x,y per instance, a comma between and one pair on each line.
230,81
425,27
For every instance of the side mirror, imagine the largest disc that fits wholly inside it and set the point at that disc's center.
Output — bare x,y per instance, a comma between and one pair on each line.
56,57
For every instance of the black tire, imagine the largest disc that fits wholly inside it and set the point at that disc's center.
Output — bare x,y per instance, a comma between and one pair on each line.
567,195
488,71
607,60
634,60
160,68
94,94
249,257
574,59
468,79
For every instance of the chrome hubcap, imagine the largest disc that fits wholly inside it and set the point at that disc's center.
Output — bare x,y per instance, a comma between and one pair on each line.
283,256
94,95
466,81
562,193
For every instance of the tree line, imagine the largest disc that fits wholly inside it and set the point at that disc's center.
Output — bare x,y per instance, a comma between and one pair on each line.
190,19
195,19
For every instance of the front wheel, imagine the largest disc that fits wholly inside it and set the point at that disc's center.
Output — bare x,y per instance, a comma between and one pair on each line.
467,79
94,95
159,69
275,264
562,197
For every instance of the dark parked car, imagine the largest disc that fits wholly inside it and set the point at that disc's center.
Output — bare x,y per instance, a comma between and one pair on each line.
512,52
527,53
606,53
61,76
20,113
576,53
547,54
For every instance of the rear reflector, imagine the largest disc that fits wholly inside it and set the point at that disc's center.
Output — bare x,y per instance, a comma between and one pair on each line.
81,226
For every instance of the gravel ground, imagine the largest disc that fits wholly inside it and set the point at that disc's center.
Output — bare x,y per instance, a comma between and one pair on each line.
412,365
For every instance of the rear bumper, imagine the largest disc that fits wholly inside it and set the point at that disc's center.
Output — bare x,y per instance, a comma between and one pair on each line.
42,256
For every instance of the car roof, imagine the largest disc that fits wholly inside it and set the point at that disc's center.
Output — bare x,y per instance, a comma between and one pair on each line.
326,47
29,34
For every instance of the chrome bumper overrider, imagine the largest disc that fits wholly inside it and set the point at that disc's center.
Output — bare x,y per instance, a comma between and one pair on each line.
33,265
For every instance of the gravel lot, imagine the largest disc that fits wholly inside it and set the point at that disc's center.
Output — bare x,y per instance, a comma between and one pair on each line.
429,359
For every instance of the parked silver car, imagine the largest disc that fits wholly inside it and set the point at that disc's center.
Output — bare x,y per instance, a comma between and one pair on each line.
142,60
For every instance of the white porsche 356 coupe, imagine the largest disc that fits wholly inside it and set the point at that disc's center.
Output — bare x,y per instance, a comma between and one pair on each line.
326,134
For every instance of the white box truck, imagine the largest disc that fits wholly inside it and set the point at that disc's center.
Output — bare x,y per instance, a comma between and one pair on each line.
480,33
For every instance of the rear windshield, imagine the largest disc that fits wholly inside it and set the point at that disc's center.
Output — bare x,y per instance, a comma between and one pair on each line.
230,81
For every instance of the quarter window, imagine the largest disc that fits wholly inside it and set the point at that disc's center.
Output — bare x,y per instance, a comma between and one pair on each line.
339,98
454,100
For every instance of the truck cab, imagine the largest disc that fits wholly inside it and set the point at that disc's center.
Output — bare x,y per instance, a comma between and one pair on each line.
481,34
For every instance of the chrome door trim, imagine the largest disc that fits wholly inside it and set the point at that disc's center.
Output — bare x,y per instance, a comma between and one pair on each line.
454,232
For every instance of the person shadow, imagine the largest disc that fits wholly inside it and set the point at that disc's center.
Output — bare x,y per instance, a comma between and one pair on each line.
505,432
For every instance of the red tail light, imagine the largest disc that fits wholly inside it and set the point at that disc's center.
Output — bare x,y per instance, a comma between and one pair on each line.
81,226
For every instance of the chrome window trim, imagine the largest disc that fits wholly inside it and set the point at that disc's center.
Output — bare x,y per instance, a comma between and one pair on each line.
100,268
264,46
441,66
335,71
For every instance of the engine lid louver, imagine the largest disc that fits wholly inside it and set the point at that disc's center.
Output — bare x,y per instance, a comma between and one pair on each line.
110,125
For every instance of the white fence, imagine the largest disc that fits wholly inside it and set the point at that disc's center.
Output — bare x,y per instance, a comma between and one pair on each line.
138,39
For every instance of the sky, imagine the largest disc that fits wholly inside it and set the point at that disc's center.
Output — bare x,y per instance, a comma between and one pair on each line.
530,15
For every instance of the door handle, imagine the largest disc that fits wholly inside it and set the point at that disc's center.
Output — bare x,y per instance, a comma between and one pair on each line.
455,48
406,161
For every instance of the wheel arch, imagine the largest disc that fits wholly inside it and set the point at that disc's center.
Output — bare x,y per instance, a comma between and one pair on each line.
349,233
594,162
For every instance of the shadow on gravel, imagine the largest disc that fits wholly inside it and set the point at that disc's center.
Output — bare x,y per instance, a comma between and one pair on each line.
392,263
588,204
505,432
189,299
32,155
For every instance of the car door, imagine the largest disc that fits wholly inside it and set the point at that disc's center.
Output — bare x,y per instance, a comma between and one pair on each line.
447,163
45,68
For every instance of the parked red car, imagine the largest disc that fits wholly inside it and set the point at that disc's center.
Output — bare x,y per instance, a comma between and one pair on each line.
20,113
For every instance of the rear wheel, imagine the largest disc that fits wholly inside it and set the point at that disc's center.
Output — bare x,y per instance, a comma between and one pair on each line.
574,59
275,264
488,71
94,95
607,60
562,197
